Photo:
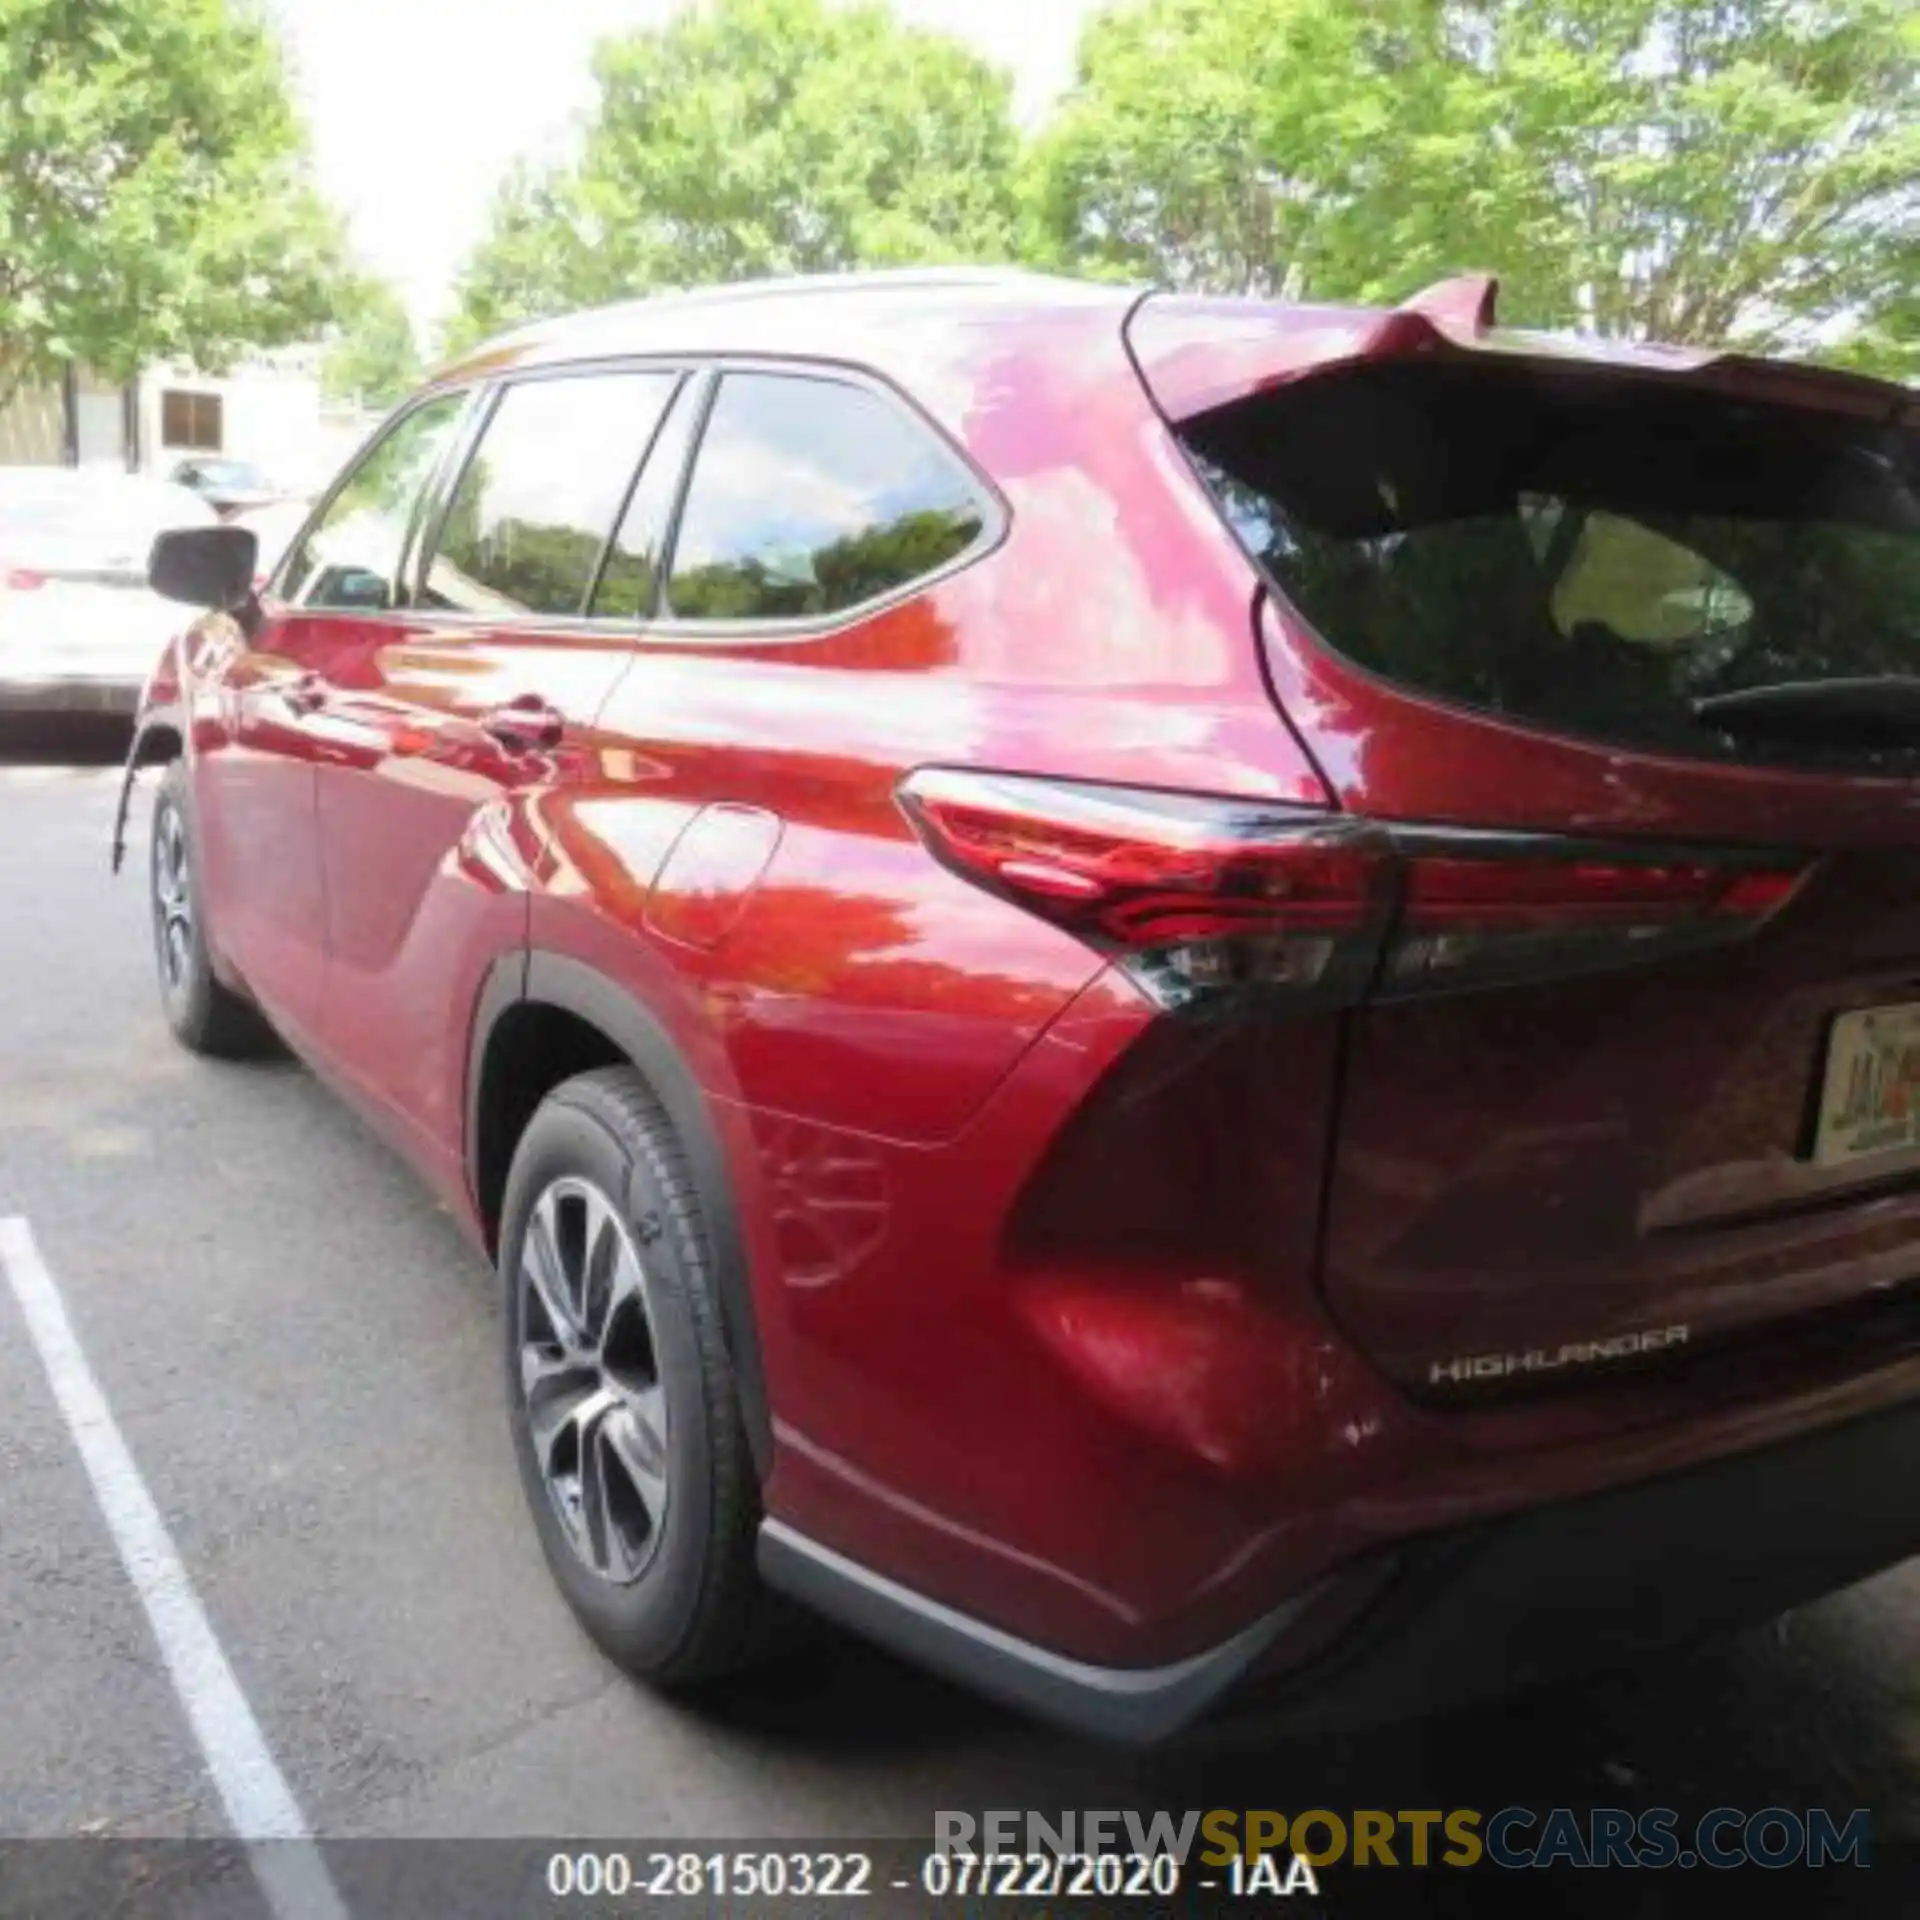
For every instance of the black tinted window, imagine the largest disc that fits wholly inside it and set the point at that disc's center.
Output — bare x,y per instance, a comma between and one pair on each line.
1589,552
536,503
352,556
629,586
809,496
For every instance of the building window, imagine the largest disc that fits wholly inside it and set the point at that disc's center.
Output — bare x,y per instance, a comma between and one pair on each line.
191,420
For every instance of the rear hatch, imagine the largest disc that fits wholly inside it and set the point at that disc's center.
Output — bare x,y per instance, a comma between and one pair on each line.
1624,653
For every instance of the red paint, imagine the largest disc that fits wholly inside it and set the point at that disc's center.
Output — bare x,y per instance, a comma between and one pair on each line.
1464,305
710,875
1053,1325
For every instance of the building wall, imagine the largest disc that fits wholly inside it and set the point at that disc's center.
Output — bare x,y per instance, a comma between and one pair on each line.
271,414
100,424
33,429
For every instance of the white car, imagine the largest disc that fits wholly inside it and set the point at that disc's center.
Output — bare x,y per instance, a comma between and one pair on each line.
79,627
275,528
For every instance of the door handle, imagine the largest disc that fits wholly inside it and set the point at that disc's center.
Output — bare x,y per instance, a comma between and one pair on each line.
526,725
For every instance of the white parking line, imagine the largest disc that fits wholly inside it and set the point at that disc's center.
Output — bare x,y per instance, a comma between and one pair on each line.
259,1803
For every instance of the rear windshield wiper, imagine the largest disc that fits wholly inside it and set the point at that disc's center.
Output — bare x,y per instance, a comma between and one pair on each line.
1880,711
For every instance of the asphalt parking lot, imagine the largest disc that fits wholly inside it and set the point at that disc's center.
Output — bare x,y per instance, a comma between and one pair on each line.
300,1354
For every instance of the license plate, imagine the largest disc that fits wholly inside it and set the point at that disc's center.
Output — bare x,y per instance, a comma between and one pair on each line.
1870,1103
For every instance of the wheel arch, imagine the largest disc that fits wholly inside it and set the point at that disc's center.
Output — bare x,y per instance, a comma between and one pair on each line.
542,1017
159,738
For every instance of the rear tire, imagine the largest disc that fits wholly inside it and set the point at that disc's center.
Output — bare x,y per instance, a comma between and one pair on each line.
205,1016
625,1414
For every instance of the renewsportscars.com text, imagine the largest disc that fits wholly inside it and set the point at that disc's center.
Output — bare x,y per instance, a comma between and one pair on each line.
1515,1836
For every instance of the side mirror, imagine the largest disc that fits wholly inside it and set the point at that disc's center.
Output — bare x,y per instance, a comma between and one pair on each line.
205,566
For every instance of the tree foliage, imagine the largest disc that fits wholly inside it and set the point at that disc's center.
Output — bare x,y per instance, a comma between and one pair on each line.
1695,170
1691,169
1249,146
756,137
154,189
374,358
534,260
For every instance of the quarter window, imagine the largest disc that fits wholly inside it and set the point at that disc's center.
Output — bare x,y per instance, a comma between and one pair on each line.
811,495
351,558
534,509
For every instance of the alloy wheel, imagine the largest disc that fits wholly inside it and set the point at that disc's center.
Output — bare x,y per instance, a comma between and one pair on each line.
173,898
596,1411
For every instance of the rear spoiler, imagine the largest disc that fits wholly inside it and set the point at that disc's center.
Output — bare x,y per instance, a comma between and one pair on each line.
1196,353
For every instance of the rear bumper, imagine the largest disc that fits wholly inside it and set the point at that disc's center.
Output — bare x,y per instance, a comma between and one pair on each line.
1453,1616
1134,1705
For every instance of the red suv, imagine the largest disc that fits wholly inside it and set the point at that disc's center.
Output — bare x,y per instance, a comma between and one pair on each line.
1153,995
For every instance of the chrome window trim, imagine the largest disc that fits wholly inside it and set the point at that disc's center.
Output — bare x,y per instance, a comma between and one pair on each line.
996,513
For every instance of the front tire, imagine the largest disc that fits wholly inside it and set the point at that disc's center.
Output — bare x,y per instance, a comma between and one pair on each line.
205,1017
625,1415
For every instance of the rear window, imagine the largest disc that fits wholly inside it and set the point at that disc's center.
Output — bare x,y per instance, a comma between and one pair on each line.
224,473
1596,554
66,512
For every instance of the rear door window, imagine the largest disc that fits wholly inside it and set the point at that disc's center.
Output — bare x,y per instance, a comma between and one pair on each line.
1600,555
530,519
811,496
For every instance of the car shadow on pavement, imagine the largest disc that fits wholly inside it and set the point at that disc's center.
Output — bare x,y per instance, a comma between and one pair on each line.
1805,1713
64,740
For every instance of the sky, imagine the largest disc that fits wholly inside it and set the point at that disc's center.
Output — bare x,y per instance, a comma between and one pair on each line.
418,107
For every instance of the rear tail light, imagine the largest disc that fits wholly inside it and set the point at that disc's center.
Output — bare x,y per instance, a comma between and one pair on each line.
1475,910
21,579
1197,896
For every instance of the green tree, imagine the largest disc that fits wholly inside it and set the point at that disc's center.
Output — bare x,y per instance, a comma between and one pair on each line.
1701,170
154,189
534,260
374,358
1247,146
756,137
